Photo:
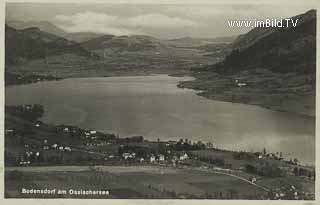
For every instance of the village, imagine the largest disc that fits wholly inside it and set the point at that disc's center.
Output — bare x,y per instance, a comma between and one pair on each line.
34,143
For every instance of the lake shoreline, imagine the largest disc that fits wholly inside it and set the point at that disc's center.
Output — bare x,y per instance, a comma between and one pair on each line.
242,98
223,88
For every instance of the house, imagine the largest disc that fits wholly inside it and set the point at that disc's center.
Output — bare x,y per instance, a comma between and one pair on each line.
161,157
253,180
173,162
184,156
24,162
54,146
141,160
28,154
61,148
93,132
46,147
127,155
241,84
37,125
67,149
66,129
152,158
9,131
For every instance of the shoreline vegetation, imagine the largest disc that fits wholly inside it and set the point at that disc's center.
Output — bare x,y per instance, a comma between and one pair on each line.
258,87
21,79
31,144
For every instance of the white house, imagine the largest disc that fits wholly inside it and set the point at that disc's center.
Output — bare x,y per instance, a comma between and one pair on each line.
9,130
93,132
253,180
54,146
67,149
127,155
45,147
161,157
241,84
184,156
152,158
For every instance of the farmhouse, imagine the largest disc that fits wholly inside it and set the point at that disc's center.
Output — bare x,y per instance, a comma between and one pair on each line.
46,147
242,84
54,146
184,156
161,157
152,158
128,155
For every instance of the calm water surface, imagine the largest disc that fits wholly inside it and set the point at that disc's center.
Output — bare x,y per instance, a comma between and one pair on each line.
154,107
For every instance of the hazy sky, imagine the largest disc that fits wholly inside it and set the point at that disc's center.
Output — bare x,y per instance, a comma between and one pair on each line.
162,21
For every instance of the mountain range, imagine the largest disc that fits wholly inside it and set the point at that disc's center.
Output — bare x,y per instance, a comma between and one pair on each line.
48,27
32,43
286,49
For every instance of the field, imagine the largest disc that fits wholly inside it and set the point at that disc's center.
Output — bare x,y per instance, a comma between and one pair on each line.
128,182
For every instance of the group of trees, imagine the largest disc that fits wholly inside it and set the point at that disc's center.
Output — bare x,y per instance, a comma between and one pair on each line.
133,139
211,160
187,145
18,79
264,169
303,172
28,112
243,155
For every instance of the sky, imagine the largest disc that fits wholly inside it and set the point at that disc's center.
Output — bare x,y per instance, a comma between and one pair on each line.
164,21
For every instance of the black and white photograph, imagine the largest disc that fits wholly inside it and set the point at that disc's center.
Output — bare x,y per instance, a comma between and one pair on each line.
107,100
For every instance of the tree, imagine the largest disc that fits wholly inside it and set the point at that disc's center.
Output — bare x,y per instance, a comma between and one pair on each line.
296,171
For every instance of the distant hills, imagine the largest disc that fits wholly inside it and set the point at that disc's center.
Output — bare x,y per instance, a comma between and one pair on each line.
35,45
48,27
291,49
194,42
133,43
32,43
42,25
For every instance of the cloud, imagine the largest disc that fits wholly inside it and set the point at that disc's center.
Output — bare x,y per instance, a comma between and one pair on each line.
111,24
160,21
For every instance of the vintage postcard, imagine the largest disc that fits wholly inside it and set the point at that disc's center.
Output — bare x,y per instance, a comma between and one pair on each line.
130,100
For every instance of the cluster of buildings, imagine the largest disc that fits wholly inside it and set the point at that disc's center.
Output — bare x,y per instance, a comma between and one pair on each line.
156,158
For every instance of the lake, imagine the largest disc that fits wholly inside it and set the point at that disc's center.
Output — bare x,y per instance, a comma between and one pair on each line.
153,106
